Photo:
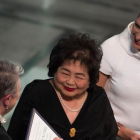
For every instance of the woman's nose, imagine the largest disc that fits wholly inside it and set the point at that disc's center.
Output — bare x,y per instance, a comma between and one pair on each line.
136,32
71,81
137,36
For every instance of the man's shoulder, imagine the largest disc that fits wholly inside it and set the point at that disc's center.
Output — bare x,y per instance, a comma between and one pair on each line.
3,134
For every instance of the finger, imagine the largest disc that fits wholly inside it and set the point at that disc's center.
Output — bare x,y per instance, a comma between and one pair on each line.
57,138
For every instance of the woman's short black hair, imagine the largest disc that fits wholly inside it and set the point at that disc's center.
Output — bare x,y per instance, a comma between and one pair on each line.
77,47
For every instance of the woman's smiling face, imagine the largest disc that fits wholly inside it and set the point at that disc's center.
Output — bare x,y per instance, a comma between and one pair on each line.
72,79
136,34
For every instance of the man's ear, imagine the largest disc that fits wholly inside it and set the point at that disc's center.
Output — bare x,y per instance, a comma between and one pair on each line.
6,100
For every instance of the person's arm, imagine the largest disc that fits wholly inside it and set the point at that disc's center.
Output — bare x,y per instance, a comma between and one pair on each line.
126,133
123,132
57,138
102,79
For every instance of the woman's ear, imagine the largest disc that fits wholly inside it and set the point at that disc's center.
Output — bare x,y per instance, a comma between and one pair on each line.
6,100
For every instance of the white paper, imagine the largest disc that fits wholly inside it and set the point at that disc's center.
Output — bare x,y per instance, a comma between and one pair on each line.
39,129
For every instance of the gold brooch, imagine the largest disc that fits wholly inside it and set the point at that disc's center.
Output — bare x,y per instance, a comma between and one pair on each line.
72,132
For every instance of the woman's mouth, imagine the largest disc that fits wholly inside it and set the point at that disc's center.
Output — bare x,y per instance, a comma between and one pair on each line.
69,89
137,42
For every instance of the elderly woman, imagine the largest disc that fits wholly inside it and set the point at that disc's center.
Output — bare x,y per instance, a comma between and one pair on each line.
70,100
9,91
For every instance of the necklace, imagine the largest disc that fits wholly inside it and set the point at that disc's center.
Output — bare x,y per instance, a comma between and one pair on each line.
73,110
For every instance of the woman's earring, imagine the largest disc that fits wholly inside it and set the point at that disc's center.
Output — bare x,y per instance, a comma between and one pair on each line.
7,107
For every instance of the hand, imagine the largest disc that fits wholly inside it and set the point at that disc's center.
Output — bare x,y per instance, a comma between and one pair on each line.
128,134
57,138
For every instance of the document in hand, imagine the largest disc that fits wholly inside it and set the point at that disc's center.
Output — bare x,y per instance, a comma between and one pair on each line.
39,129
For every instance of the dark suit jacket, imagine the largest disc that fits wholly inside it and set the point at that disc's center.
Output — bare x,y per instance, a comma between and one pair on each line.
3,134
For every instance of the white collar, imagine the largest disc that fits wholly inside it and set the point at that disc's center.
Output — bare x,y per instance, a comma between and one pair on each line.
2,120
126,42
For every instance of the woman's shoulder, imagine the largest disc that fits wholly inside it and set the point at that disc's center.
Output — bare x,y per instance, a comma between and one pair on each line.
36,88
112,51
38,84
111,42
97,92
98,99
111,46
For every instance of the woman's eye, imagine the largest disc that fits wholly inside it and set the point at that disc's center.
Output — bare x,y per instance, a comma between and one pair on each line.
79,77
137,25
65,73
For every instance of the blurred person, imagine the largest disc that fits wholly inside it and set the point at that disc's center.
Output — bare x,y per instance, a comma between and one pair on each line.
120,76
9,91
70,101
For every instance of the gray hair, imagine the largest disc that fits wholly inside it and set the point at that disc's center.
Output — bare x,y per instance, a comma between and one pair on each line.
9,75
